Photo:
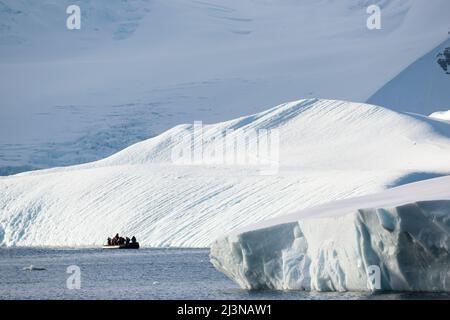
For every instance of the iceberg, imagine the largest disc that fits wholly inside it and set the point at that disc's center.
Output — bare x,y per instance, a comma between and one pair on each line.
396,240
328,150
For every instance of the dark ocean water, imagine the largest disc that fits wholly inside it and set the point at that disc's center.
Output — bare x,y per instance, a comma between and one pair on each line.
136,274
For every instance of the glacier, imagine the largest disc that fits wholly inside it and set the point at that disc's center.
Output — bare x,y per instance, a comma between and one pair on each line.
402,233
329,150
138,68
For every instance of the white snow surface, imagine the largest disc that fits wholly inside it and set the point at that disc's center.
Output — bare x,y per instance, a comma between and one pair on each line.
423,87
329,150
404,233
442,115
138,68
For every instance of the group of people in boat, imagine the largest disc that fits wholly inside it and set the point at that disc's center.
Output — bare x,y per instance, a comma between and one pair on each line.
119,241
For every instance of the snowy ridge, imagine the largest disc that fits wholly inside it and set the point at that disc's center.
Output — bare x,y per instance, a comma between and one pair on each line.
441,115
329,150
404,232
315,134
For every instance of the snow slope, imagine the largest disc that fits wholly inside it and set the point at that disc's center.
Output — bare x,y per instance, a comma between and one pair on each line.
422,88
402,235
138,68
329,150
442,115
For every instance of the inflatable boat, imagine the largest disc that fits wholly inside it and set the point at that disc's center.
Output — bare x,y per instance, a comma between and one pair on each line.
123,246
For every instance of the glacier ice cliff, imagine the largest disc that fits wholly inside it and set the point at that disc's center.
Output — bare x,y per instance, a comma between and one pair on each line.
338,247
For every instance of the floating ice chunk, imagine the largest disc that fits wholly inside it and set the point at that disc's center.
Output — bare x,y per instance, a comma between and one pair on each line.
33,268
398,246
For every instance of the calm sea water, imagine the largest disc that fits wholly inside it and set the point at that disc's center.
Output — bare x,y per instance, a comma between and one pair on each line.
135,274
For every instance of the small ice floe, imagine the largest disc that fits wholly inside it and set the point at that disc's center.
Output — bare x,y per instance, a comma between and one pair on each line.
155,282
33,268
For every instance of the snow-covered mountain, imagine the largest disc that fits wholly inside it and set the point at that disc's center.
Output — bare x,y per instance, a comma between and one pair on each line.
138,68
397,240
423,87
328,150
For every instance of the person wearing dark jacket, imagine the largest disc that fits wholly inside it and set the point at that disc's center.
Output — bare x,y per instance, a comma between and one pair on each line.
116,239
